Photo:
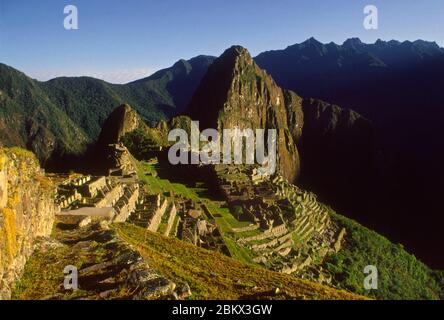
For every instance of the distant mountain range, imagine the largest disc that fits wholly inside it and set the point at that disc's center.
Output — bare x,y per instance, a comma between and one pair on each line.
358,75
372,79
65,115
380,163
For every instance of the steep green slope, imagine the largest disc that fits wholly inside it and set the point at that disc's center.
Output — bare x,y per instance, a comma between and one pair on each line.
397,86
89,101
175,86
64,115
29,119
400,274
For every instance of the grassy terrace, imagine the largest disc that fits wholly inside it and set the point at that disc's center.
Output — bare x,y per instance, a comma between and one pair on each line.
212,275
149,174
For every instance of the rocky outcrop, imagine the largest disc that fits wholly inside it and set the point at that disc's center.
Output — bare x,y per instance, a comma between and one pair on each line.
26,212
114,157
236,93
119,160
121,121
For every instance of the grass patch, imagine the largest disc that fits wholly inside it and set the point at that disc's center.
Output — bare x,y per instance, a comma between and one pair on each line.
148,173
212,275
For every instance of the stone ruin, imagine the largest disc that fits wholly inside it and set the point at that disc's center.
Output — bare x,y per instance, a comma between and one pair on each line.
196,229
154,211
120,161
98,192
287,225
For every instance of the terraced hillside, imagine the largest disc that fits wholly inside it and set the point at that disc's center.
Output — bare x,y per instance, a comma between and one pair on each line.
212,275
123,261
307,239
265,235
289,230
196,209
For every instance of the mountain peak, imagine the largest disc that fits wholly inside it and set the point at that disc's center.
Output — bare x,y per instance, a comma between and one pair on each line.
235,52
202,59
427,45
122,120
215,85
236,93
123,108
391,43
180,62
182,66
312,46
237,48
312,41
352,43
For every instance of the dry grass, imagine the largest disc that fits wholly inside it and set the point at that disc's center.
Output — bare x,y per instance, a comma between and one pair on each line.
212,275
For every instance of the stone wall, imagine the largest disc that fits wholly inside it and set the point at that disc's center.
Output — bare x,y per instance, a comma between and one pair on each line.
127,203
111,197
27,211
171,218
273,232
94,186
250,227
157,217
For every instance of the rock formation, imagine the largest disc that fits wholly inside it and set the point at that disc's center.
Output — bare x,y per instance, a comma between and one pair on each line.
115,157
236,93
26,212
121,121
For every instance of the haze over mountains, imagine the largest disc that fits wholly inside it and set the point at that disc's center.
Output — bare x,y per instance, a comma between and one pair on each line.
381,163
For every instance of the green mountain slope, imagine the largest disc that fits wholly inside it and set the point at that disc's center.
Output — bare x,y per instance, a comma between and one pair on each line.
64,115
334,145
30,119
400,274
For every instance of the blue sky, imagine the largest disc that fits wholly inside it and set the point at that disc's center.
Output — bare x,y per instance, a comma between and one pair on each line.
121,40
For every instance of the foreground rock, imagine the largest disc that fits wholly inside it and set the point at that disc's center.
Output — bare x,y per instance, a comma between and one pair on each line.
26,212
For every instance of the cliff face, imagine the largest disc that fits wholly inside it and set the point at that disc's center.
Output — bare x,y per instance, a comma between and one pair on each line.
26,212
236,93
